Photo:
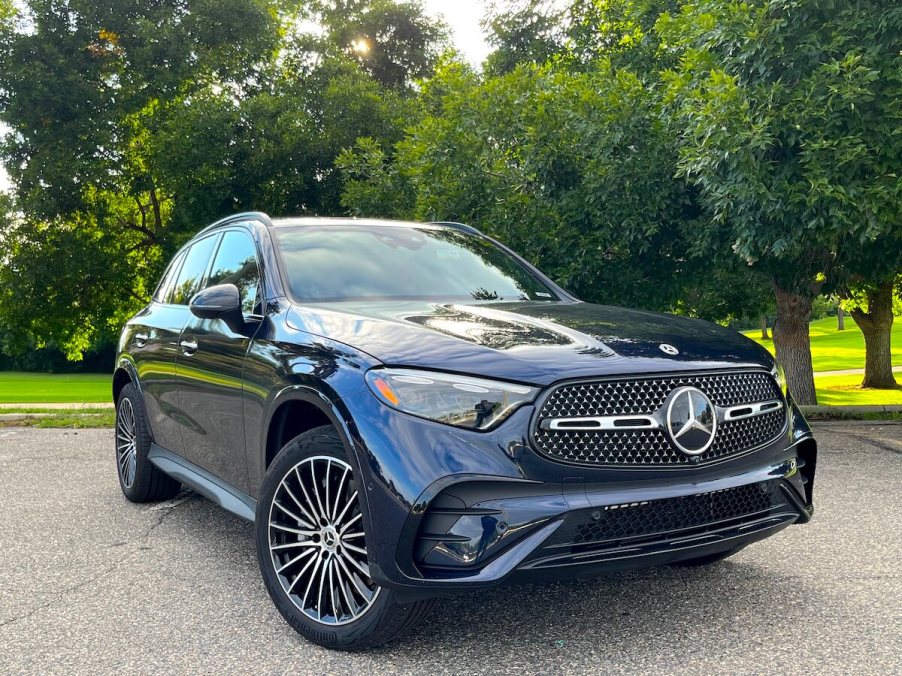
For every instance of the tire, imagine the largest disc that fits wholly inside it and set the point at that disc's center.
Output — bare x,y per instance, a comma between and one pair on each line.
707,560
310,534
139,480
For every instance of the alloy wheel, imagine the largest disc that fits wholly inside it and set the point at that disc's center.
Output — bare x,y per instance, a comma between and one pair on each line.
316,541
126,442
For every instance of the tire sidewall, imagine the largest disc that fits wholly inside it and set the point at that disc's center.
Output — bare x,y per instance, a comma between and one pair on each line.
357,634
141,485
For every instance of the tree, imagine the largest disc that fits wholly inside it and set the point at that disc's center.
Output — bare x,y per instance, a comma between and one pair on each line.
273,150
575,170
82,88
875,318
77,272
789,116
135,124
621,31
72,73
395,43
528,31
728,291
868,275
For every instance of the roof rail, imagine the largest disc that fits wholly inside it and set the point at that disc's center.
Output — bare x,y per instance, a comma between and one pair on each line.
243,216
458,226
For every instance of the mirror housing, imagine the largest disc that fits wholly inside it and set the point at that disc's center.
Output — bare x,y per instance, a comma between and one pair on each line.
222,301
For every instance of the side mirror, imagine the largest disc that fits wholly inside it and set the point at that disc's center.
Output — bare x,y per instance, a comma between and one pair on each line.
219,302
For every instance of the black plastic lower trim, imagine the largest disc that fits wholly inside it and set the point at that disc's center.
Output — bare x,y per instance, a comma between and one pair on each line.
211,487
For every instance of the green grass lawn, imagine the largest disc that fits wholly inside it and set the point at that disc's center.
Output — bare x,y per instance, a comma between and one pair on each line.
52,388
847,391
81,418
833,350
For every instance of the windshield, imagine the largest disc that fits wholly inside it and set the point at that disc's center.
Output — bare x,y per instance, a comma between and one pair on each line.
358,262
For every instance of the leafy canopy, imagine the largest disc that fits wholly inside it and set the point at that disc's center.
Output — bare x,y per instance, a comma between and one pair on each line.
790,114
575,170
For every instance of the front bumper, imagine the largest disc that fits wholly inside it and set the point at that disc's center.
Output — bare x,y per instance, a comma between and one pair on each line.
452,510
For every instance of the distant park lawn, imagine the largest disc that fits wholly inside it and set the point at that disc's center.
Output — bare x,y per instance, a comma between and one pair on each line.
847,391
53,388
833,350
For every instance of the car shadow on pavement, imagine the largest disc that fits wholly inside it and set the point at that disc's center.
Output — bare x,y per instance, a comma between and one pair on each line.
662,608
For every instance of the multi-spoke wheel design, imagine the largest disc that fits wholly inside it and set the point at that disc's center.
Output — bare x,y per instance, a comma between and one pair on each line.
317,542
126,442
139,479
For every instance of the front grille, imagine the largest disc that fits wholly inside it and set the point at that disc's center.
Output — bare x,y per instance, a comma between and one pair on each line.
646,396
676,514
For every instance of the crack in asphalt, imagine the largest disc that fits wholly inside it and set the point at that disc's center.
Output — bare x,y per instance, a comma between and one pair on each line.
76,586
164,510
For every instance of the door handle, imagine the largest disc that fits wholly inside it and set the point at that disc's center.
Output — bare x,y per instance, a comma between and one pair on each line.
141,339
188,346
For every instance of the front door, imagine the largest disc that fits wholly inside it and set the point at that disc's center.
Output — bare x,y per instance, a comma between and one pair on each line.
210,367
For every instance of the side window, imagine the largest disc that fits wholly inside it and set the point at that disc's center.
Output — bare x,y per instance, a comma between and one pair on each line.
165,286
236,263
192,272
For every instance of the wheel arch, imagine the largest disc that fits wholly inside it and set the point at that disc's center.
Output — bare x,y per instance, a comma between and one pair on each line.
321,410
293,416
125,373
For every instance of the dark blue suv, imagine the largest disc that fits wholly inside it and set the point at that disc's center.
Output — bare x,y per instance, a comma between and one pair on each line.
410,409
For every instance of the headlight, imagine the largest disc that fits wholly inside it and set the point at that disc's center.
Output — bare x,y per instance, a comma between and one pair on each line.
473,403
780,377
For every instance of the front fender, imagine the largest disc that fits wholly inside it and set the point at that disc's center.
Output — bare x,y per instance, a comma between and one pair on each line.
340,418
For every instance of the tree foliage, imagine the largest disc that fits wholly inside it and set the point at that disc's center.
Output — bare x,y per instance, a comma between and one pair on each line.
576,170
135,124
72,73
622,31
524,31
790,116
707,157
395,43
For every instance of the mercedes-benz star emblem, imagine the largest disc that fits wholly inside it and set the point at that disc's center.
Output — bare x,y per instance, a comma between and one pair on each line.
668,349
691,420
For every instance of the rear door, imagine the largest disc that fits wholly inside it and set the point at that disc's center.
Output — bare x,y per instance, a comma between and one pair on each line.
210,366
152,342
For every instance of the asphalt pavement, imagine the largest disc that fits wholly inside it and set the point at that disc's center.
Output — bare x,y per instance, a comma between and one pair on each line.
92,583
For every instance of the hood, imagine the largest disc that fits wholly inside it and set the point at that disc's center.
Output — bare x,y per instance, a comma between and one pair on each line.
531,342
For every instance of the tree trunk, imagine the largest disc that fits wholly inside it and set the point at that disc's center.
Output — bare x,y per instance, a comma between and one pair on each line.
792,343
876,325
764,335
840,319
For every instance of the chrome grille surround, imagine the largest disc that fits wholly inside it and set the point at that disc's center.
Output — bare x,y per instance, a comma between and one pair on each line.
646,396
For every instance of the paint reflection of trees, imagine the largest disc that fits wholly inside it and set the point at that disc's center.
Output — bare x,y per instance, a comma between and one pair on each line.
484,294
495,333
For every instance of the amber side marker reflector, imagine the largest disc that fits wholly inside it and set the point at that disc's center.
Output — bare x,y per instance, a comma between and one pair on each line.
386,391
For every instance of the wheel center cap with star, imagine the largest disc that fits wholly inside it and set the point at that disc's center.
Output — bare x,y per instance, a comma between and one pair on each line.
330,538
691,420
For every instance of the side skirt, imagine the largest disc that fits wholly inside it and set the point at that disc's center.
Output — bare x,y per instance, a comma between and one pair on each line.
211,487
